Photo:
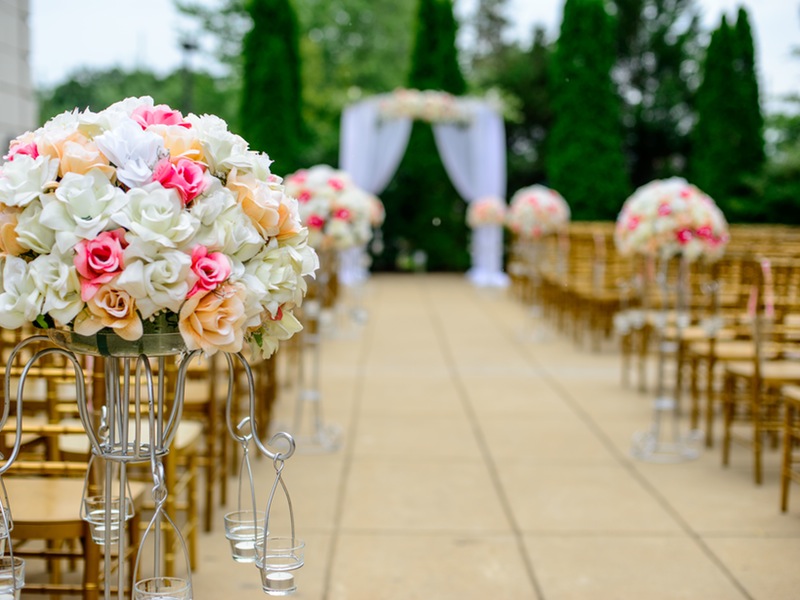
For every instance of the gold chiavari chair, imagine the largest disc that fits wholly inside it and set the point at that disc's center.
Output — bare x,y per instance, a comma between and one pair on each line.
790,467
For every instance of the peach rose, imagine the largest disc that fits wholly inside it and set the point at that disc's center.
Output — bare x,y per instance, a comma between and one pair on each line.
258,201
110,307
9,240
80,158
214,320
179,141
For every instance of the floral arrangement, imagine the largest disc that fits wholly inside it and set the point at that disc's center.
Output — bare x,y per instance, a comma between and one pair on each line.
488,210
537,210
335,211
429,105
137,220
670,217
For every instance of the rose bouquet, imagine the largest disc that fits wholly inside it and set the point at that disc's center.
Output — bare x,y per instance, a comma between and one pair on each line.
335,210
536,211
137,220
489,210
670,217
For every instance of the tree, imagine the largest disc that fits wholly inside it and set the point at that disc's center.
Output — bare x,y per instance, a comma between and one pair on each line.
656,76
270,113
750,120
584,149
423,211
714,138
96,89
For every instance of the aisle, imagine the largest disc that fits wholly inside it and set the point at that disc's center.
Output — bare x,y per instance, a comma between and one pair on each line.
479,465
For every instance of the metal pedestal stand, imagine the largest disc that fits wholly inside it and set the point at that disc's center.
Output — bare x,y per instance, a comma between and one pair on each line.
656,444
138,424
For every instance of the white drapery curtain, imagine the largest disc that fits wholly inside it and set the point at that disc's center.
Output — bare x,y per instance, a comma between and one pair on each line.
474,158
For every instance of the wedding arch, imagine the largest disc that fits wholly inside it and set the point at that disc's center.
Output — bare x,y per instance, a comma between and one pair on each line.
470,138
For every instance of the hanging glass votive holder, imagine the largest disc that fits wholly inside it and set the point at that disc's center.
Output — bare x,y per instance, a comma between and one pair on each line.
106,513
278,556
244,527
12,577
157,586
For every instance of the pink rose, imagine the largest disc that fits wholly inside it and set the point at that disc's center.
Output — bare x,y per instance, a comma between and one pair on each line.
185,176
315,222
214,320
21,148
304,196
342,213
336,183
633,222
664,209
158,115
99,260
211,269
684,236
705,232
298,178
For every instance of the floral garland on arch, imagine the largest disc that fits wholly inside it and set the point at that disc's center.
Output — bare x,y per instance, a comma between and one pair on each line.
670,217
337,213
137,220
488,210
431,106
536,211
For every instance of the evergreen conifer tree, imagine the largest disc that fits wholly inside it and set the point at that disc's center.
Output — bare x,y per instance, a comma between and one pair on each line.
585,162
271,102
716,137
750,120
423,210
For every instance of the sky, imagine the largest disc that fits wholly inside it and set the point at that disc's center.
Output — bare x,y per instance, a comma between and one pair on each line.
128,33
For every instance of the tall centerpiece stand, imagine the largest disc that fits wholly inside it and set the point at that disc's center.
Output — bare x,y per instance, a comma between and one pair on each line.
674,223
535,212
144,238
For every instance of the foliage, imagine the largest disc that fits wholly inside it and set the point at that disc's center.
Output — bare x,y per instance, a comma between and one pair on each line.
423,211
270,114
584,153
656,76
97,89
728,148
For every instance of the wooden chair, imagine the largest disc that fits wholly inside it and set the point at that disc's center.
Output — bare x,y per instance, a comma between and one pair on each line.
790,467
751,389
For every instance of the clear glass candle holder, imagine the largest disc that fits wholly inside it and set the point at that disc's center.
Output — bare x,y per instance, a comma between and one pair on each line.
95,513
162,588
12,577
243,528
276,560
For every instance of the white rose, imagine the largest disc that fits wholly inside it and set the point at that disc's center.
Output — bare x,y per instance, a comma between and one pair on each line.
272,332
275,276
222,149
20,300
23,179
157,280
81,207
212,203
231,231
156,215
31,233
133,151
57,281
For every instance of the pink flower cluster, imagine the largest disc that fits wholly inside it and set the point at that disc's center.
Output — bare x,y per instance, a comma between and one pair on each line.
116,219
338,214
671,217
488,210
537,210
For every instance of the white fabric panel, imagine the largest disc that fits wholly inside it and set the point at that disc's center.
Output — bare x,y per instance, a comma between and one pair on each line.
370,149
487,257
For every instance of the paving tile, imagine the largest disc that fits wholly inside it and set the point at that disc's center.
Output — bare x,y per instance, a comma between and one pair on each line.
422,495
444,567
580,499
627,568
765,566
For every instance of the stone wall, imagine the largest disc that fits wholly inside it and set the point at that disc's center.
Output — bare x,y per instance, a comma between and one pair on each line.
17,102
